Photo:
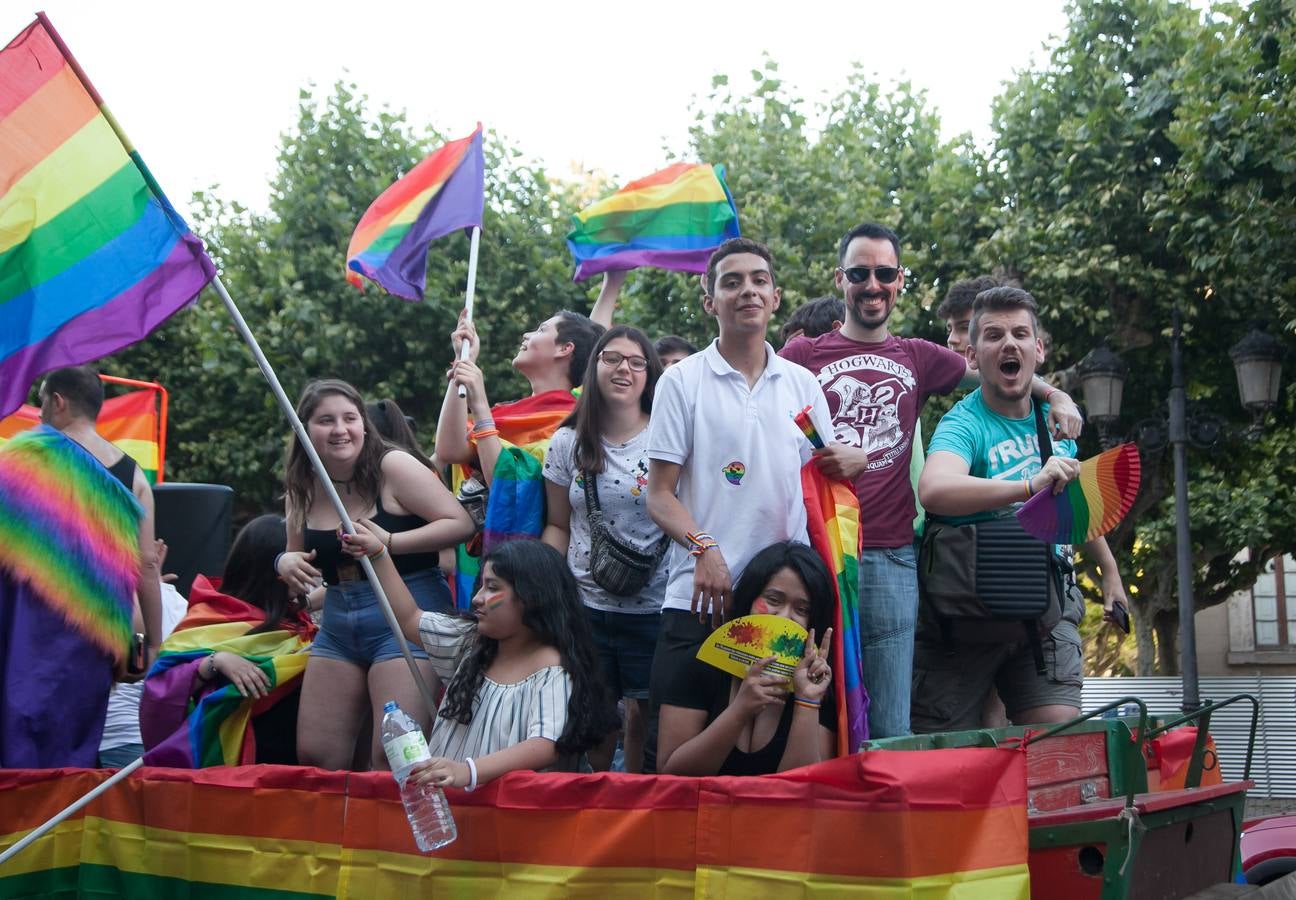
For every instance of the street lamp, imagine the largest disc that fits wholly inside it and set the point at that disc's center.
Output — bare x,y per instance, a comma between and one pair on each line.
1258,361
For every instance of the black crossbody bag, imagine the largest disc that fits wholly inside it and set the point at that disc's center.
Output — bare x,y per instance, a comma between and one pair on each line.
621,570
991,581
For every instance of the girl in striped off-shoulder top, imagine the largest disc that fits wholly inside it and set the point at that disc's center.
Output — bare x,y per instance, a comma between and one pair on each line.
523,687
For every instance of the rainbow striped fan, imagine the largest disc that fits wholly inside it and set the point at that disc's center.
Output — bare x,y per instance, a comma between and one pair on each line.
1092,505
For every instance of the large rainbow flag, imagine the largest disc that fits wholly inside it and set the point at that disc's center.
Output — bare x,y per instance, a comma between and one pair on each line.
672,219
92,256
129,421
441,194
191,729
931,824
833,522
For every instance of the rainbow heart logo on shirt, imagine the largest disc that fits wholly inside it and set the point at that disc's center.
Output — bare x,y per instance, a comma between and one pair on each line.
734,472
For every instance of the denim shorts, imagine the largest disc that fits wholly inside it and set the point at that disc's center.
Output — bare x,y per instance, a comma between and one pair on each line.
354,629
625,643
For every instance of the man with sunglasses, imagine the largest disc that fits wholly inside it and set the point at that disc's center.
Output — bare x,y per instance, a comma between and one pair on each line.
876,384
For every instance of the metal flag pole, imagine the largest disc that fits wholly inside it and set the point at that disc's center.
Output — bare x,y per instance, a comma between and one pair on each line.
300,430
470,292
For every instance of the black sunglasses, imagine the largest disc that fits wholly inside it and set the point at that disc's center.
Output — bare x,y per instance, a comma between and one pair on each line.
860,274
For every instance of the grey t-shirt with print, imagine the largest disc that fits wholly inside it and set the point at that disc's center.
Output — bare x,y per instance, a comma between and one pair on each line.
623,497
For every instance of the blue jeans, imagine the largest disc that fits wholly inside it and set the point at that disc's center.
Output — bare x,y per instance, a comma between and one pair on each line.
354,629
888,607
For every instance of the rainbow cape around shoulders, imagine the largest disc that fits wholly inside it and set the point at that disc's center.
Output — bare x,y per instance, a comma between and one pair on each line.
515,507
833,522
188,723
70,530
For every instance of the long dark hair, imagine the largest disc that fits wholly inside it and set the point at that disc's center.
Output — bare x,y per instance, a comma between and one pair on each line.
591,409
299,477
396,430
552,609
808,566
249,570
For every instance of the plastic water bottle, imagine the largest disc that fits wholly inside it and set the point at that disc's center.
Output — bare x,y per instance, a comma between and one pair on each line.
426,806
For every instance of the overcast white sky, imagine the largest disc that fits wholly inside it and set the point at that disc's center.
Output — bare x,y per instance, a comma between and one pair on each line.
205,89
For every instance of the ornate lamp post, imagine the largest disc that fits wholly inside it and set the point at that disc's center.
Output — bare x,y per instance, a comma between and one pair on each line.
1257,359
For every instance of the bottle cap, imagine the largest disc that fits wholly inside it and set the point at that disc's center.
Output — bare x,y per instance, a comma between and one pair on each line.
390,706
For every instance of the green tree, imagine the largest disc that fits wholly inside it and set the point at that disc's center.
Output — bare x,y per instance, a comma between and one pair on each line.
285,269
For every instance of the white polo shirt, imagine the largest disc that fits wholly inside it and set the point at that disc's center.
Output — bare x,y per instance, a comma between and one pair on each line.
741,455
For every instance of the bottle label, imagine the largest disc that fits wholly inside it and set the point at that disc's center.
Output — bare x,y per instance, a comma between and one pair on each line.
405,752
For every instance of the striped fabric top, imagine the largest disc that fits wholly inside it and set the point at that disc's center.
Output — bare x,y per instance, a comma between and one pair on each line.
503,714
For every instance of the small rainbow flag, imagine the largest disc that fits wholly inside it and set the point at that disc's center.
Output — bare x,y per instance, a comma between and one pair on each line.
672,219
803,422
442,193
1092,504
129,421
92,256
833,523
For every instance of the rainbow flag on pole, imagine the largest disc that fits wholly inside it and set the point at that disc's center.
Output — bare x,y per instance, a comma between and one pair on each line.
833,521
129,421
92,256
442,193
672,219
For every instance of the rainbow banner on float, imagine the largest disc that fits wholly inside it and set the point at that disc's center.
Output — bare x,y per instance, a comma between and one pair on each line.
672,219
940,824
443,193
130,421
92,256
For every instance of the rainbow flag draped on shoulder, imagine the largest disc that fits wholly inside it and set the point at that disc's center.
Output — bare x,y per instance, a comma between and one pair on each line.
443,193
92,256
672,219
833,521
190,724
70,530
516,505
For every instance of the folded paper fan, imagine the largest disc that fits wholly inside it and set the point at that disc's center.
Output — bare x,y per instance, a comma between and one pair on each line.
1092,505
738,643
803,422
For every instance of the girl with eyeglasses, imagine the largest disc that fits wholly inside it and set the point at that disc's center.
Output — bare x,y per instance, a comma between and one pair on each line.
604,444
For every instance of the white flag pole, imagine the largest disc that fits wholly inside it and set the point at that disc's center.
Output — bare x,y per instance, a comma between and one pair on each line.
470,292
327,483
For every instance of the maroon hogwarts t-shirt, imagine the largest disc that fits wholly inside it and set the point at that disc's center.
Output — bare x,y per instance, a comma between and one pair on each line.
874,393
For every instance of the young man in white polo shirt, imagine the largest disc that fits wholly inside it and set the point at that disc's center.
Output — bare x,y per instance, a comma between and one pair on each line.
724,460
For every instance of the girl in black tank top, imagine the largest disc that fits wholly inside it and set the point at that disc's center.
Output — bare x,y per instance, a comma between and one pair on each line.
356,663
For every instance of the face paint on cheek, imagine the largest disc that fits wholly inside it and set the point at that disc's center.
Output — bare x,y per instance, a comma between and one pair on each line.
760,607
494,600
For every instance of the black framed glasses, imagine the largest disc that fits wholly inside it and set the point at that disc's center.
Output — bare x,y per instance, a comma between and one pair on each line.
860,274
612,359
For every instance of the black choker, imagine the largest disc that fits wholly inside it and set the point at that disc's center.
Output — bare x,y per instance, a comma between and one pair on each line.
346,484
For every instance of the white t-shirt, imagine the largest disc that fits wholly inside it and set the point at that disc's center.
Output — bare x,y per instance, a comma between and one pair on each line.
623,497
121,727
741,455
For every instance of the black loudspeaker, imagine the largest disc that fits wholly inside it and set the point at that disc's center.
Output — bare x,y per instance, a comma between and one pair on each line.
194,520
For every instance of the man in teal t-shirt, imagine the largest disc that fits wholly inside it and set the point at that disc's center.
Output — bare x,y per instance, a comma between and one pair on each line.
984,457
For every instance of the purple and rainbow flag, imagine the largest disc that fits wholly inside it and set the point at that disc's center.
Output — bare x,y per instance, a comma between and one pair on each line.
443,193
92,256
70,531
672,219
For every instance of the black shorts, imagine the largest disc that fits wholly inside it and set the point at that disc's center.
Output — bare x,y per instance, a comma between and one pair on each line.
676,671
